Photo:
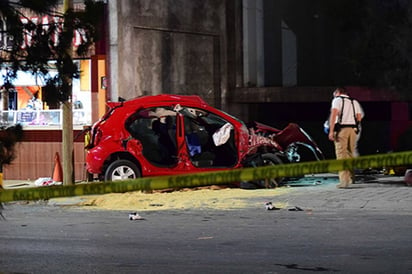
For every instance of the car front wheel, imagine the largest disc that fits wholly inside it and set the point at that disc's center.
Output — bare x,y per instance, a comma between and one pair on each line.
268,159
121,170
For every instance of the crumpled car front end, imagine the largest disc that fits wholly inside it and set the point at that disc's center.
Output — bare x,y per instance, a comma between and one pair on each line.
293,142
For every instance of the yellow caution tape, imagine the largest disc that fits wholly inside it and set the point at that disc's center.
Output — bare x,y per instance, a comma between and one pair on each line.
208,178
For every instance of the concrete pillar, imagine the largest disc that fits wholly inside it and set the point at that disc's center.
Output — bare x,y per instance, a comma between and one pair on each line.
289,56
253,56
113,65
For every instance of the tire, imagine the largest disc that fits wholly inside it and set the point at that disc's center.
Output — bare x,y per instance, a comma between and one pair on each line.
267,159
270,159
121,170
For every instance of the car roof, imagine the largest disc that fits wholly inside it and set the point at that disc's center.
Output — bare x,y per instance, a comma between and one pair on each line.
169,98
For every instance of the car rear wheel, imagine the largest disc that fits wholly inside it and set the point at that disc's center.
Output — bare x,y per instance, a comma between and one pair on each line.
121,170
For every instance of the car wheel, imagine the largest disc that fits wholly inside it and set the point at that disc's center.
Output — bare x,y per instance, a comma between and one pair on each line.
121,170
267,160
270,159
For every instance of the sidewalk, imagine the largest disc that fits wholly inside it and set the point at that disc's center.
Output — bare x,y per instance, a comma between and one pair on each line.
387,193
314,192
9,184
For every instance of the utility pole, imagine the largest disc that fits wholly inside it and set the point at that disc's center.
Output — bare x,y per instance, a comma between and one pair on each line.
67,123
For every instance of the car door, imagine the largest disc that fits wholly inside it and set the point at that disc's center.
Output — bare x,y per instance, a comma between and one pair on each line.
154,129
208,139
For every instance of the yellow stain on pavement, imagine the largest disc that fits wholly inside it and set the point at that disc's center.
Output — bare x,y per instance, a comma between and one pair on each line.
222,199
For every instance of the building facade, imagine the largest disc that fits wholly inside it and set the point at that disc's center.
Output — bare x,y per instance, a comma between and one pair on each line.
257,59
261,60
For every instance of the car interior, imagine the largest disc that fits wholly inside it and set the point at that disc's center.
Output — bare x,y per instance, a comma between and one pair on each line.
156,127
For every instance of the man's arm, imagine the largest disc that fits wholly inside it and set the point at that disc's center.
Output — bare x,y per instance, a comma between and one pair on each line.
358,117
359,112
332,120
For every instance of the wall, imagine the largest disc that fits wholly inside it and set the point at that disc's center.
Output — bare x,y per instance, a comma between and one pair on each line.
197,47
36,153
168,47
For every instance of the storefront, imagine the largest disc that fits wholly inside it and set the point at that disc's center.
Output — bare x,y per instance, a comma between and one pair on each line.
23,103
42,123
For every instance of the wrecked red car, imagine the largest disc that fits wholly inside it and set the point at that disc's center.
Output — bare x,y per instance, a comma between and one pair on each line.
174,134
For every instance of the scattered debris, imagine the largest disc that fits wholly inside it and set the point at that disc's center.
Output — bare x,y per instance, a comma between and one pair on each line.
1,212
270,206
46,181
156,205
135,216
307,268
205,238
295,208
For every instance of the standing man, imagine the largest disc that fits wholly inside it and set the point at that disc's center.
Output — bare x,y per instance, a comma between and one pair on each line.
344,124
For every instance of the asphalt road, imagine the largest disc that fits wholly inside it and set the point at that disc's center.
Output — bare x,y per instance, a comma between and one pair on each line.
361,230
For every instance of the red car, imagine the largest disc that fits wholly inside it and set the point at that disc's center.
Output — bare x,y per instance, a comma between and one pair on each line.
174,134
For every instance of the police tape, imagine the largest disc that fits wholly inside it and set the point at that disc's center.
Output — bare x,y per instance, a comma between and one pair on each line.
208,178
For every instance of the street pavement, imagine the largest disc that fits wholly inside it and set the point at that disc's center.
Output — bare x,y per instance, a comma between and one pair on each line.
371,192
364,229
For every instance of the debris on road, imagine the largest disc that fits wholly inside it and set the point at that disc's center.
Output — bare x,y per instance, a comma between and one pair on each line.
135,216
1,212
46,181
295,208
270,206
